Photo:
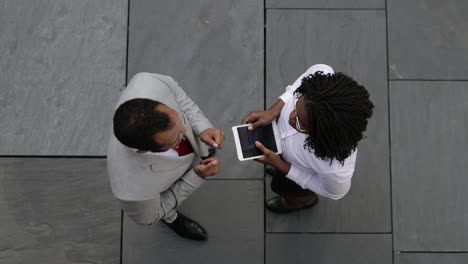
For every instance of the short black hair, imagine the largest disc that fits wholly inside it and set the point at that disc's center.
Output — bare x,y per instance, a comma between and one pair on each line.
137,120
337,110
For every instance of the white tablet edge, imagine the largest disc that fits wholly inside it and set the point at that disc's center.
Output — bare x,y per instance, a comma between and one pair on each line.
277,138
238,146
237,142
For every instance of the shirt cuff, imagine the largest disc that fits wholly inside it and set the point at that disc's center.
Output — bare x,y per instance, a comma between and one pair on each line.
294,174
193,179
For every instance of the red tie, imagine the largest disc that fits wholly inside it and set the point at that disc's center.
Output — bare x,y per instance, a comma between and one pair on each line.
184,148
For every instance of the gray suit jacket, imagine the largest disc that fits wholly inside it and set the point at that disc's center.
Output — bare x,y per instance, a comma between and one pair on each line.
148,186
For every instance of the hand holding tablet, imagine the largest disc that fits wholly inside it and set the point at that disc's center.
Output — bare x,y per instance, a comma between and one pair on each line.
245,140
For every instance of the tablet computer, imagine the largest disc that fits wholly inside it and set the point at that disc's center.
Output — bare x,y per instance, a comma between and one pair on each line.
245,140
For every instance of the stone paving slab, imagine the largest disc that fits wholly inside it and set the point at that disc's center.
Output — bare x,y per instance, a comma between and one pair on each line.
428,39
429,124
329,248
62,66
330,4
57,211
431,258
230,210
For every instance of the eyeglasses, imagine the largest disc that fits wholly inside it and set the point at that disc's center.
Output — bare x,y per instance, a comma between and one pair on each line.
298,125
179,139
181,117
180,135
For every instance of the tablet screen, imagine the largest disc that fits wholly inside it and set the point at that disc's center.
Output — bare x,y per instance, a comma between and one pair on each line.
263,134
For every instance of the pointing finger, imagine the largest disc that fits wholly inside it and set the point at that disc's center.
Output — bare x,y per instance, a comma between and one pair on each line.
209,141
260,146
219,138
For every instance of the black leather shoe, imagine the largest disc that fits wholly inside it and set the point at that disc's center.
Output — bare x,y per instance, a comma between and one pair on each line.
277,206
186,227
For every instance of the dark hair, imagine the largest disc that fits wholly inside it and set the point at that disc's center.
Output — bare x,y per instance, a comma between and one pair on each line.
337,110
137,120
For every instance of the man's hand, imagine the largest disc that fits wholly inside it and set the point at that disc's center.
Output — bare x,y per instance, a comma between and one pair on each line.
213,137
270,158
258,119
208,167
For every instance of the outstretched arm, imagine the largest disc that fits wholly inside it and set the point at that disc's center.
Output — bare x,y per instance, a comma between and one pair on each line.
262,118
197,119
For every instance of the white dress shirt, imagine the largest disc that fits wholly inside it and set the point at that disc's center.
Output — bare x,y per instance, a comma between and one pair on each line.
329,180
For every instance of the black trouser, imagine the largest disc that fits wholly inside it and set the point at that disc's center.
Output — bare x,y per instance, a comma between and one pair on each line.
291,191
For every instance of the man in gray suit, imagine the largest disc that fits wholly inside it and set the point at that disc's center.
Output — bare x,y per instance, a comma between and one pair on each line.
158,153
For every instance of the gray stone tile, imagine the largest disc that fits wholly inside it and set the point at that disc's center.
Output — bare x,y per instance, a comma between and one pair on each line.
230,210
325,4
57,211
328,248
63,63
431,258
352,42
428,132
427,39
214,49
